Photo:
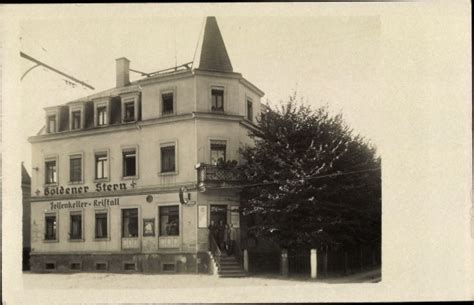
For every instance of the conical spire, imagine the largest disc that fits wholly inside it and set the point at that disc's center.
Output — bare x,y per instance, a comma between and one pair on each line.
213,52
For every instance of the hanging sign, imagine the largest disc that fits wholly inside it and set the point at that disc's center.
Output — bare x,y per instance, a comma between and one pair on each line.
184,195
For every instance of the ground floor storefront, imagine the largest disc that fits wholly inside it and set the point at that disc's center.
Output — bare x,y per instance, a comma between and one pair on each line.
147,232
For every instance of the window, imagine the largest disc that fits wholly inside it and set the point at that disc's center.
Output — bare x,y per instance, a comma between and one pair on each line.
101,166
75,230
51,123
169,220
168,106
50,227
218,154
129,108
101,225
76,120
75,266
249,110
130,223
102,266
217,99
101,116
129,266
50,266
75,168
168,163
129,163
51,175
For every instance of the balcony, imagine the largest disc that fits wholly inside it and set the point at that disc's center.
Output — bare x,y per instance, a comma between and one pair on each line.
215,177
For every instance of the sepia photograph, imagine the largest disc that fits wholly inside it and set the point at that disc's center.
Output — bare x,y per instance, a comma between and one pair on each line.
202,150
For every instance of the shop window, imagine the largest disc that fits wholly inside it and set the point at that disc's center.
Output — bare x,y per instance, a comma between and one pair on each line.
101,166
75,228
130,223
249,109
76,120
167,103
129,114
101,115
168,162
51,123
51,174
217,99
101,225
169,220
50,227
218,152
129,163
75,168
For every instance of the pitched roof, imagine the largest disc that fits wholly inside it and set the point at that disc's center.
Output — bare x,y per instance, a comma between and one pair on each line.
213,52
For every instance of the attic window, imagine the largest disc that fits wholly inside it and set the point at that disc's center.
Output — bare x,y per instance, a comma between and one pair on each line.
101,116
51,123
168,104
76,120
129,112
217,99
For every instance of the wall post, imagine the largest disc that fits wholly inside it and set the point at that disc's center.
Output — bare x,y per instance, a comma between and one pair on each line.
284,262
246,260
314,263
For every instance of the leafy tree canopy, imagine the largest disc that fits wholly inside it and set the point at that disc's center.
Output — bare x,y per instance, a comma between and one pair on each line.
310,181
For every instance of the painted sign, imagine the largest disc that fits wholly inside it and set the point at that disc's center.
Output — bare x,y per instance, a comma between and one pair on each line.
70,190
202,216
74,204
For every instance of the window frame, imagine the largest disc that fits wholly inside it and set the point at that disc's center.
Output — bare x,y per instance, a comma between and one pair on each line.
48,120
215,141
249,100
76,156
171,91
107,217
128,98
160,163
101,152
49,159
122,209
220,88
49,214
102,103
71,214
76,107
124,150
158,230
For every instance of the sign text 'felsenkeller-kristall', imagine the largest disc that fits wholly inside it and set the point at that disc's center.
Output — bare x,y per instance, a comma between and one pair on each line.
73,204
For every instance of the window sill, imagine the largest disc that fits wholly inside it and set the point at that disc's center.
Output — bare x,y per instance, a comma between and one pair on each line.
101,180
168,114
101,239
167,173
50,184
130,178
128,122
76,240
75,182
50,240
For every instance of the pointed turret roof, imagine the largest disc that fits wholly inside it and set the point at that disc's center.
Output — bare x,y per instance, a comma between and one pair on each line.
213,52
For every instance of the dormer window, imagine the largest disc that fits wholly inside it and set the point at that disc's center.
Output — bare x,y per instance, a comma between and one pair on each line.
129,108
217,96
76,120
101,115
52,123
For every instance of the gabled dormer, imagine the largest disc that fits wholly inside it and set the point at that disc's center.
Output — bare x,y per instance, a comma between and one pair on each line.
101,112
130,107
77,115
56,119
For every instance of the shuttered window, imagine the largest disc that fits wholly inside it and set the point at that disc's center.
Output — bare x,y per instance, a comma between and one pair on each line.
168,162
75,168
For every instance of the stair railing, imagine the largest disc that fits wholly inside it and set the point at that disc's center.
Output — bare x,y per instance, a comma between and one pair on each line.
216,252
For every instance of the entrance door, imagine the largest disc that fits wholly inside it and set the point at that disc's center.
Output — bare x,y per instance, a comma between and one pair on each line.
219,213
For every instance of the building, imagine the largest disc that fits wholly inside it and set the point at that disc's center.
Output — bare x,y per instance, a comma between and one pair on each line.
126,180
26,217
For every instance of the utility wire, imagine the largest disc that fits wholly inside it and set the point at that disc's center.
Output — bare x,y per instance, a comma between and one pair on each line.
197,43
306,178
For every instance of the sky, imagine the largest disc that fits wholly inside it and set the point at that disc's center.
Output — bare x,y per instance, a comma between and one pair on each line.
326,60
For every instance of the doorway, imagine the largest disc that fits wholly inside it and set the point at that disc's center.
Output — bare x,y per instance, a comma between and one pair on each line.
218,214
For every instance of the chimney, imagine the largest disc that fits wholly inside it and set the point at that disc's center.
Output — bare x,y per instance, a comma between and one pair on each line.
122,65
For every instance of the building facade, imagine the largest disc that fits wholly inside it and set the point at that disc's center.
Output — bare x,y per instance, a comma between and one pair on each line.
126,180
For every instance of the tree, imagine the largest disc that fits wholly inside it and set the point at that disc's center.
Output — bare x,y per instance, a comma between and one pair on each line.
310,181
